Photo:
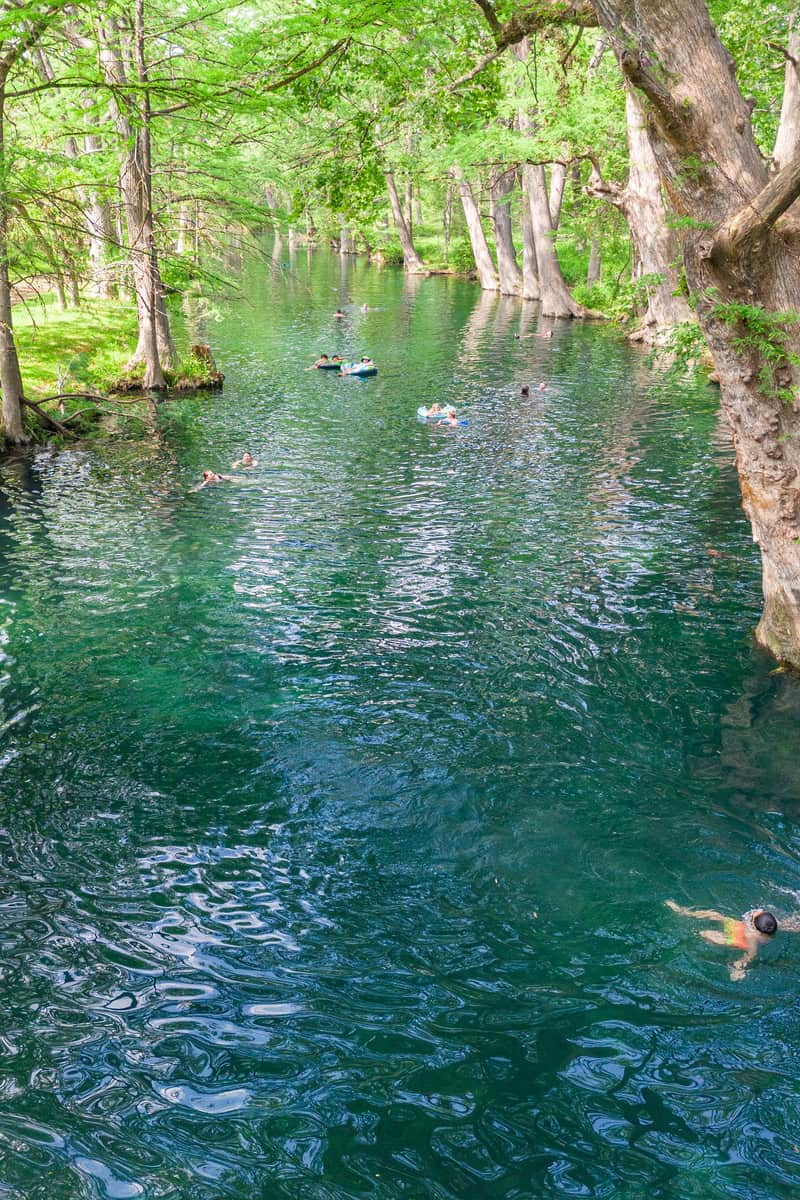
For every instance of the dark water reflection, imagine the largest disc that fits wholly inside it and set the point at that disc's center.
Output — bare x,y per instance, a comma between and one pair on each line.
339,805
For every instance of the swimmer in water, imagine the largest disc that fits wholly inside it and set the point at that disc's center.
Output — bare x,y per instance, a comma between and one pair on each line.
338,313
209,477
246,460
526,391
434,410
450,417
754,930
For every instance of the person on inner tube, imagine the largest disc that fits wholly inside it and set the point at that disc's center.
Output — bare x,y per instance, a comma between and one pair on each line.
754,930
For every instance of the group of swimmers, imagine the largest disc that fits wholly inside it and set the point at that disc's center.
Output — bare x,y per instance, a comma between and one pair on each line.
209,477
325,360
442,416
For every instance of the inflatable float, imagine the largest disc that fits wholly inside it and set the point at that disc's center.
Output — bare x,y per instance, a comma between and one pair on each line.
361,369
439,418
329,366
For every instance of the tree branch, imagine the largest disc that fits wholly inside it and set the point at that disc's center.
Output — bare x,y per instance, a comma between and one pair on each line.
476,70
760,213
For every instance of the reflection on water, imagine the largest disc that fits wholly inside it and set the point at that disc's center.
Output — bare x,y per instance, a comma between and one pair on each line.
339,806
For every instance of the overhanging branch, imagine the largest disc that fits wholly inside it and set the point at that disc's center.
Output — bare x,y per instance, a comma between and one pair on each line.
760,213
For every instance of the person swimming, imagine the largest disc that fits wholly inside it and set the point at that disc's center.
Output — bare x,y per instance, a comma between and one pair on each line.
321,361
755,929
450,417
338,313
526,391
209,477
246,460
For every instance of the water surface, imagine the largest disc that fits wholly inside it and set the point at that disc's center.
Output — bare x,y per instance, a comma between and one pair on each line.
338,805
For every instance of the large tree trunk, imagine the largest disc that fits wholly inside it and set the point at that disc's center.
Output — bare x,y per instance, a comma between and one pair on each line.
155,347
655,245
787,139
530,267
524,124
10,376
480,247
555,295
510,275
411,260
739,251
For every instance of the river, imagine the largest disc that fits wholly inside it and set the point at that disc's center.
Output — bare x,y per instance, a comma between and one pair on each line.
338,805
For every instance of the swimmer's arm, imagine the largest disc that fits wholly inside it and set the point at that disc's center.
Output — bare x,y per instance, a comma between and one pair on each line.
739,968
700,914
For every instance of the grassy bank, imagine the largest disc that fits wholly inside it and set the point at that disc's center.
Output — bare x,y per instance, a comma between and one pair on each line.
81,349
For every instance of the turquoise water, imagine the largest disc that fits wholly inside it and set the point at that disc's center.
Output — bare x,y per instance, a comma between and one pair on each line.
338,805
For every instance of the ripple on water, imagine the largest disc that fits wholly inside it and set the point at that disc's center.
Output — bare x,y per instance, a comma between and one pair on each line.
338,806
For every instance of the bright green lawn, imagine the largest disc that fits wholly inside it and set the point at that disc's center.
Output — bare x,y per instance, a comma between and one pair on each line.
91,343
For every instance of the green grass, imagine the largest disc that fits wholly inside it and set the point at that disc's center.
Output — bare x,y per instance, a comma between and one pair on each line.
88,345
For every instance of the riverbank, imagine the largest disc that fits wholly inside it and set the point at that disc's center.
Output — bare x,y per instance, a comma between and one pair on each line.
74,365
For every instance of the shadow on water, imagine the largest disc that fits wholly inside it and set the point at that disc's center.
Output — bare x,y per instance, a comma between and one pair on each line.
339,805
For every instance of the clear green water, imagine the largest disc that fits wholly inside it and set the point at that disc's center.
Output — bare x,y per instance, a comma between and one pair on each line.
338,807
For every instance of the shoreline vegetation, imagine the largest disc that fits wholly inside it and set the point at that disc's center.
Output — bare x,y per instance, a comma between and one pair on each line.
75,362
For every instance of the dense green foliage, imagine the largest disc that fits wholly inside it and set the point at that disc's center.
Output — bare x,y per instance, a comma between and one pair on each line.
287,115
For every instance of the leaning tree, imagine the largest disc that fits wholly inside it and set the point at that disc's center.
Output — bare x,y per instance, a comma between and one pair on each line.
740,235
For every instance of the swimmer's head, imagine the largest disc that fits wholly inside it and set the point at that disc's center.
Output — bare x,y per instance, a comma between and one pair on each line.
526,391
208,474
247,458
765,922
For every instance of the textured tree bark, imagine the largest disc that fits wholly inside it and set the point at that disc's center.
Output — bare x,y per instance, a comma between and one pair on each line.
412,263
554,293
530,267
787,139
739,246
155,347
10,375
655,245
480,247
502,184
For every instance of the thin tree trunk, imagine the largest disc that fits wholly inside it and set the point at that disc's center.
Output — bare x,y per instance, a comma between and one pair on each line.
183,229
155,347
555,295
507,267
739,258
558,177
412,263
654,244
408,207
10,375
593,270
480,247
448,221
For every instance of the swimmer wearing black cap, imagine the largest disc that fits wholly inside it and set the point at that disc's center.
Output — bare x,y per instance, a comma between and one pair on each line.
754,930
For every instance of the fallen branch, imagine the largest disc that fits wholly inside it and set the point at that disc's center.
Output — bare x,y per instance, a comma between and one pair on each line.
48,420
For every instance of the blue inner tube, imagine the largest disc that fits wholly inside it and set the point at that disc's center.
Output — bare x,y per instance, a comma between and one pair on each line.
357,369
437,418
328,366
